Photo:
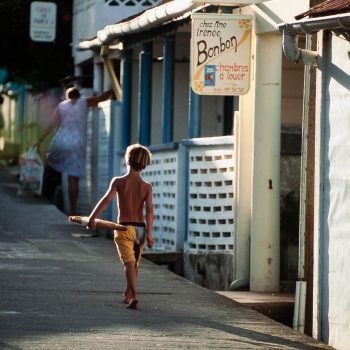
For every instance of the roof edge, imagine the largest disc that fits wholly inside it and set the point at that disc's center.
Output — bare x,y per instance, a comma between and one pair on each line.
146,20
312,25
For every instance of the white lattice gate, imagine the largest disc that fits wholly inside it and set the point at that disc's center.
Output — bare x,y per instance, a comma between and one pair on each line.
211,204
166,174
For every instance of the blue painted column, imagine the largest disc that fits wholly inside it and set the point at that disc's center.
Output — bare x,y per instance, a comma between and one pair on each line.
145,94
195,111
126,99
168,88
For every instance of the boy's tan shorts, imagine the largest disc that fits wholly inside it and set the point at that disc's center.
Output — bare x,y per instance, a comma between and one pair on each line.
127,246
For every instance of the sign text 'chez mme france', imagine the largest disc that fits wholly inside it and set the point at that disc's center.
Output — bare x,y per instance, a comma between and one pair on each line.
220,47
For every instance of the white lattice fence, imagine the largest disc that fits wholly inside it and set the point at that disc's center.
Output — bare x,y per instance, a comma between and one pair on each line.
166,176
211,214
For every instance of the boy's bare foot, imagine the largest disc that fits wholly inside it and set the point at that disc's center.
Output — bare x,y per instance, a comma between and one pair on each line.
132,304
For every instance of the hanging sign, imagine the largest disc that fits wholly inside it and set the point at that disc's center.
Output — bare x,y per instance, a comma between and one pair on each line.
220,54
43,21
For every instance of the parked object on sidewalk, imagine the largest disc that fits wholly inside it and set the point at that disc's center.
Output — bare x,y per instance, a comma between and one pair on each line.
84,220
31,174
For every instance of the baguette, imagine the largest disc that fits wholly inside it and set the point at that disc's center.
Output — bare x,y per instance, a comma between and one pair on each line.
83,220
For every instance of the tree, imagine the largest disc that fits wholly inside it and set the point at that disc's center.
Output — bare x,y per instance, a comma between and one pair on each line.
39,64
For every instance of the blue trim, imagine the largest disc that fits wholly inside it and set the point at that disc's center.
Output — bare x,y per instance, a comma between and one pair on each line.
187,191
145,94
168,88
126,99
195,111
111,150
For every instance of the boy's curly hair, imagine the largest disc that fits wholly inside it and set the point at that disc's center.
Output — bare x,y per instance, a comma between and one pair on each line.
138,156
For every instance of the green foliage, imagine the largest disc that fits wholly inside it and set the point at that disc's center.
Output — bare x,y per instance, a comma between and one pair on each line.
39,64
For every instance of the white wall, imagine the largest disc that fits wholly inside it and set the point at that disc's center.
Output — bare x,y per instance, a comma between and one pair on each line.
334,204
89,16
84,26
181,101
212,116
292,91
278,11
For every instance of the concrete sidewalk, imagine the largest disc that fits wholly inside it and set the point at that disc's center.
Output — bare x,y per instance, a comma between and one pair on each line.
63,292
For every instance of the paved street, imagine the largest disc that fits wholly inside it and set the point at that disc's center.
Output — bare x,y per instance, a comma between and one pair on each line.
62,292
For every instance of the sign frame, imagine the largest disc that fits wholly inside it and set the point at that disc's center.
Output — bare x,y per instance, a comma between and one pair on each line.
221,54
43,18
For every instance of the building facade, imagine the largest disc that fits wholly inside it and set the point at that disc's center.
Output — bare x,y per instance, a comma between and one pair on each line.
207,203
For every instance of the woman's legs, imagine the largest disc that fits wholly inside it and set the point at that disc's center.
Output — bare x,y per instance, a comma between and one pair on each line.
73,190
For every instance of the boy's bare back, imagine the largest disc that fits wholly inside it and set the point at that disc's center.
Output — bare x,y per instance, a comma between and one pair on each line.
133,193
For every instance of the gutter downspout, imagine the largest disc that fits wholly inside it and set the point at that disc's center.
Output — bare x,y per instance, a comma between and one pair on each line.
308,26
295,53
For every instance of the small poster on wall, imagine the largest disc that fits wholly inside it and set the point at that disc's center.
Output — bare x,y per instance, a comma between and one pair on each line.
220,54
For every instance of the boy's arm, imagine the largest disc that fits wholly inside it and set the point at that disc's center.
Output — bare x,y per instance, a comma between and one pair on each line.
103,203
149,218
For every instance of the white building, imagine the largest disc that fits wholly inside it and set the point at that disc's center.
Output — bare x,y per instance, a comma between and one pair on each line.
222,164
217,197
326,176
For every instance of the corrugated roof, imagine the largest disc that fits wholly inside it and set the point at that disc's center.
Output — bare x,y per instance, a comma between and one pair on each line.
326,8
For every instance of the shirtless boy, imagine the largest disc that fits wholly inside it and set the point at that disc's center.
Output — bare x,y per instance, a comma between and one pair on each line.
133,194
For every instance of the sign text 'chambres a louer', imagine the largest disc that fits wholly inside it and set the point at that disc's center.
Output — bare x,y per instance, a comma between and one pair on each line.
220,54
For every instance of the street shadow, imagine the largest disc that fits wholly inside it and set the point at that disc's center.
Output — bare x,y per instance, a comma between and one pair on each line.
253,338
11,190
5,346
263,339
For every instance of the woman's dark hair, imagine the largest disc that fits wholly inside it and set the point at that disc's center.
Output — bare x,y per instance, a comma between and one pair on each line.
72,92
